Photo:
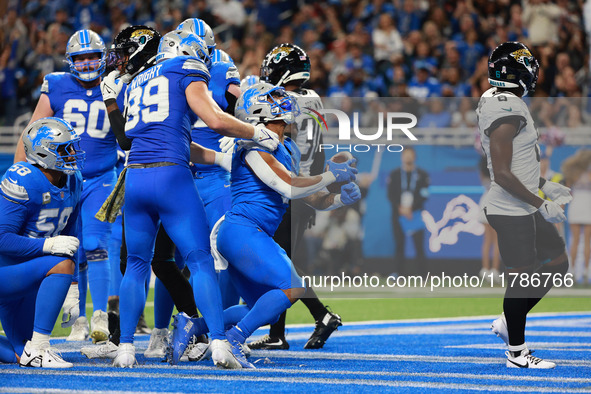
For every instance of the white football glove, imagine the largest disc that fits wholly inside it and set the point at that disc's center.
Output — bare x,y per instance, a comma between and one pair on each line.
224,160
62,245
226,144
111,86
556,192
71,307
265,137
552,212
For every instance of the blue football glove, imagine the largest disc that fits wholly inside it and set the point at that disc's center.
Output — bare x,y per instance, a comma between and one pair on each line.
350,193
342,171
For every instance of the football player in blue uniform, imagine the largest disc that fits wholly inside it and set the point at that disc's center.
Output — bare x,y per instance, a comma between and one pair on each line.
212,181
76,97
38,229
262,185
159,102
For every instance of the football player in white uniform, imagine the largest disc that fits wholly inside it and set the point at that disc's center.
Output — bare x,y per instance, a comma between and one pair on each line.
288,66
528,241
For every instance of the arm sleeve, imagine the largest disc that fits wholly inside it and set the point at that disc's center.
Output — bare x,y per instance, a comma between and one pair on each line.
12,219
274,181
118,126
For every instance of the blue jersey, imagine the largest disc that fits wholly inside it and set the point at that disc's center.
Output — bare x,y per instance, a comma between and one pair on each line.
33,209
252,198
158,117
222,75
85,110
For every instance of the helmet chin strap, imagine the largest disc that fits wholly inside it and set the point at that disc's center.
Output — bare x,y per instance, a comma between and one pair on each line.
525,91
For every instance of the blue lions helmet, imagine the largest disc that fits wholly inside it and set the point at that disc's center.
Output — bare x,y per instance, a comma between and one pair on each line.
202,29
263,103
179,43
81,43
53,144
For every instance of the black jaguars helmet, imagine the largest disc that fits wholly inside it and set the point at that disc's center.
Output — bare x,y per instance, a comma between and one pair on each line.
285,63
134,49
512,65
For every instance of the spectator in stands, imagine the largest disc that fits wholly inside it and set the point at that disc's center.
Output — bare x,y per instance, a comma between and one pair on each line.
422,84
436,116
542,18
387,42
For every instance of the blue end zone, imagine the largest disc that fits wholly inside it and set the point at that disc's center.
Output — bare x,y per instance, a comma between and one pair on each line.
403,356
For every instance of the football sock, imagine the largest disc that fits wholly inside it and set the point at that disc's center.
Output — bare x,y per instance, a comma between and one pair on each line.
230,296
133,299
172,288
537,293
266,310
163,305
277,329
316,308
232,316
515,306
99,275
114,259
40,341
82,288
7,354
50,298
517,349
207,292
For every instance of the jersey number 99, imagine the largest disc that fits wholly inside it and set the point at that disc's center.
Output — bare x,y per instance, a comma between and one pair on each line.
153,97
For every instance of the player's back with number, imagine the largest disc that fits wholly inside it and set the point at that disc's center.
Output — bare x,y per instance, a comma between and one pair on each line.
158,116
47,207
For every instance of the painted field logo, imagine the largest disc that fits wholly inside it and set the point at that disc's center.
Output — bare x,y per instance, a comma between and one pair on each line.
390,122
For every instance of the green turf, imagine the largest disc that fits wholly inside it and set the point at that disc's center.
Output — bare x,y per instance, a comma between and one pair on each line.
402,308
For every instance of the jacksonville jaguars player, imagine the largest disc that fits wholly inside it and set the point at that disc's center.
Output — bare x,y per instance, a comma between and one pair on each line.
159,102
288,65
38,241
76,97
262,184
528,241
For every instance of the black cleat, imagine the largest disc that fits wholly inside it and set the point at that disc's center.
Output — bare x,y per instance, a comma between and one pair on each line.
269,343
329,324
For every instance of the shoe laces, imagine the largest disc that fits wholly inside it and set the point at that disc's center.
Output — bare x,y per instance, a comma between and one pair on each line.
261,341
533,359
53,352
157,341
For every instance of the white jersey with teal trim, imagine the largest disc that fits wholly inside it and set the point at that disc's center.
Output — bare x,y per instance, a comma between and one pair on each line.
494,109
307,99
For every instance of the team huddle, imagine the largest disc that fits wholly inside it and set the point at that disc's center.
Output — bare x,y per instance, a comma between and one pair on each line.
168,101
211,168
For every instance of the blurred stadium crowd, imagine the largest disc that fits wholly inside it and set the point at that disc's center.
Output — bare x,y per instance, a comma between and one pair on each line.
358,48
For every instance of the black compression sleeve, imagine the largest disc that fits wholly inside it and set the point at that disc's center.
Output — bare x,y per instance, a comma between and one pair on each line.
231,99
118,125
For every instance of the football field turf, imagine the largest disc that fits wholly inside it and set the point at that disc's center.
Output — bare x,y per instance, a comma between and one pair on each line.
419,351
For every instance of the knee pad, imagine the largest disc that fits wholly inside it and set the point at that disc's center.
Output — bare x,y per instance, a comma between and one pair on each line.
97,255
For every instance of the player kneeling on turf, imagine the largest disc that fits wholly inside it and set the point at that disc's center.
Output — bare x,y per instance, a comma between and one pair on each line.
40,206
262,185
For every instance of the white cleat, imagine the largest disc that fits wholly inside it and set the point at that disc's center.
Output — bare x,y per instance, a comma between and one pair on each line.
39,358
199,351
222,356
125,356
100,326
158,343
499,327
105,349
79,330
526,360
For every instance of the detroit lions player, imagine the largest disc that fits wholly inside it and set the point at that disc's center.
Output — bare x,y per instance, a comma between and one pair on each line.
528,241
262,184
38,228
212,181
159,102
76,97
288,65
